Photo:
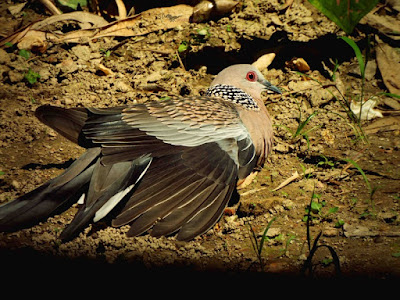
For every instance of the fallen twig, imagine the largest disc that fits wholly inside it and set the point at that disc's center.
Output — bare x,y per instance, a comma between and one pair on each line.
51,7
294,176
121,9
252,191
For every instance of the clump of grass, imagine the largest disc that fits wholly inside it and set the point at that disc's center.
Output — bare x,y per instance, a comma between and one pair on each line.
314,246
326,163
258,244
316,210
106,53
371,189
345,100
301,131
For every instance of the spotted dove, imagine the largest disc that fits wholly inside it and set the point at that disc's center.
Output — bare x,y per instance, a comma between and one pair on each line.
167,166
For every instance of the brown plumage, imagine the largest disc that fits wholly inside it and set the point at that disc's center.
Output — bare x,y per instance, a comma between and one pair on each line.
165,166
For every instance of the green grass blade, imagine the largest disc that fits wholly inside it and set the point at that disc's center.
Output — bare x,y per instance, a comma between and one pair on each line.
264,235
390,95
304,123
335,259
357,52
361,172
285,127
253,239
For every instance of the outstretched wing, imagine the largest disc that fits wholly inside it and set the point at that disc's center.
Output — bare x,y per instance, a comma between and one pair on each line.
190,152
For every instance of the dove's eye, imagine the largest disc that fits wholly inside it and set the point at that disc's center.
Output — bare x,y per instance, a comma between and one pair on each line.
251,76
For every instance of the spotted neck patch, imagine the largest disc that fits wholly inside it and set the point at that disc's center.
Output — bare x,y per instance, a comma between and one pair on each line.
234,95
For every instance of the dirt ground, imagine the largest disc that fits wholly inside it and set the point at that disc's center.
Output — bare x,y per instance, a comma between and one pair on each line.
359,219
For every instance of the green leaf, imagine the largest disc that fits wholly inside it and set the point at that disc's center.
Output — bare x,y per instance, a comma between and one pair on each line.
345,13
183,47
326,261
165,98
316,207
73,3
24,53
332,210
339,223
31,76
316,196
357,52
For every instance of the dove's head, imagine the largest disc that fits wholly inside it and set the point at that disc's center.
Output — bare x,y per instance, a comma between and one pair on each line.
246,77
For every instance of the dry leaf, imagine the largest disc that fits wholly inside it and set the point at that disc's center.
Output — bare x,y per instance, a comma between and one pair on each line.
206,10
37,33
34,41
264,61
121,9
388,25
16,36
242,183
79,16
288,3
298,64
106,71
389,64
146,22
367,110
16,9
382,125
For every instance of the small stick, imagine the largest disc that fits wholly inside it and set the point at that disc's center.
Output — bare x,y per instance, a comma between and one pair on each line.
180,60
51,7
121,9
294,176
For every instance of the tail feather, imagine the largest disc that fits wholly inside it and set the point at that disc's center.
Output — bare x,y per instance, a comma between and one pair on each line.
52,197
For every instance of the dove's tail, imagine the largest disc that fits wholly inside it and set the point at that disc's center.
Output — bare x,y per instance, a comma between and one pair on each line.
50,198
99,186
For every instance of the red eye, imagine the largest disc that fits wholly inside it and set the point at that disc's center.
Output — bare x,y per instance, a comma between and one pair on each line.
251,76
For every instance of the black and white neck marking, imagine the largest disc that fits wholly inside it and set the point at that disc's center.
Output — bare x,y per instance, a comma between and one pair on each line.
233,94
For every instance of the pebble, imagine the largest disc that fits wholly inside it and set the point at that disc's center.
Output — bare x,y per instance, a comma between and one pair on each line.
330,232
4,57
67,101
388,217
16,184
273,232
121,86
82,52
15,76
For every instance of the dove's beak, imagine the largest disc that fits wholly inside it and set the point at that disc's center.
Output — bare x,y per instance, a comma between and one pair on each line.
270,88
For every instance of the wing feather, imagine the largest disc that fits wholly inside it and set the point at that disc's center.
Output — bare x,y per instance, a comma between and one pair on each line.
193,180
